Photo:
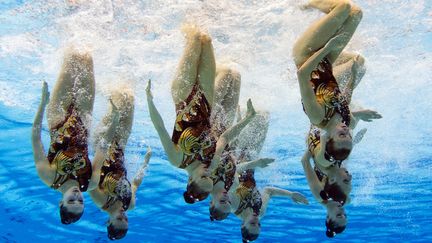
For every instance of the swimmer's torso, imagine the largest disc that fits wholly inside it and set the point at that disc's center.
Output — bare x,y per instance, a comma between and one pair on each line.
248,194
113,178
225,170
328,95
192,129
68,151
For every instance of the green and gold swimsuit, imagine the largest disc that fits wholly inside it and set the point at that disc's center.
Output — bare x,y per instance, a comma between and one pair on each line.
113,178
248,193
192,129
68,151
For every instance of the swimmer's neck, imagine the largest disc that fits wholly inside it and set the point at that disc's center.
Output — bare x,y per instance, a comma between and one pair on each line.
67,185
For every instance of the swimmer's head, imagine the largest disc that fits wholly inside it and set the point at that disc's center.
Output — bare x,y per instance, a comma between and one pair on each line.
336,219
337,188
339,144
220,205
117,225
198,190
71,206
251,227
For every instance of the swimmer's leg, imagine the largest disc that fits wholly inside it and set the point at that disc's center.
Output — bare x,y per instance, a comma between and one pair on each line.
226,98
124,100
339,20
85,89
76,68
349,70
207,68
187,70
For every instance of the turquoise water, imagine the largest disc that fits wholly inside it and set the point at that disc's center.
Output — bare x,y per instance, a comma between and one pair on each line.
132,41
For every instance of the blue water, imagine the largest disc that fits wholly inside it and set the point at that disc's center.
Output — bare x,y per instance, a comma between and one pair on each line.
132,41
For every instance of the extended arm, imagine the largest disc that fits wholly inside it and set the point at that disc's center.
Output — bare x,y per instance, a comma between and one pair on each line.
313,109
173,154
262,163
232,132
269,192
41,162
139,177
315,184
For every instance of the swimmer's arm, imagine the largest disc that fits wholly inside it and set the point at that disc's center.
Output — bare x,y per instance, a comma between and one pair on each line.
139,177
239,116
313,109
262,163
174,156
96,168
231,133
315,184
42,165
295,196
269,192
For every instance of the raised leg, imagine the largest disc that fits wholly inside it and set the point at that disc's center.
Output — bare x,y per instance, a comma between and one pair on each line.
74,84
226,97
187,70
207,68
349,70
342,18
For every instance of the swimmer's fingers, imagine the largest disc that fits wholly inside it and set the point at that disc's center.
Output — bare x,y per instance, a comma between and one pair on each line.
148,90
265,162
45,93
299,198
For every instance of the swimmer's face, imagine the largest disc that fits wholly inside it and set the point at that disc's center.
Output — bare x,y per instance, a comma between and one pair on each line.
342,137
201,177
336,213
343,179
220,205
199,186
73,200
251,227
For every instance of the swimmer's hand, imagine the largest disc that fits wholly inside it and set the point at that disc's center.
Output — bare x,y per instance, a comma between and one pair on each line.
359,136
264,162
367,115
45,94
337,41
299,198
250,109
148,90
140,173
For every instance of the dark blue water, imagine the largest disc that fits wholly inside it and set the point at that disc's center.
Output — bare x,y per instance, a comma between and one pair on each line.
132,41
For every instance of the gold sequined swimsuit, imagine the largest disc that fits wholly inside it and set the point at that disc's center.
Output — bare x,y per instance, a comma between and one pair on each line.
68,151
327,93
226,169
249,195
113,178
192,129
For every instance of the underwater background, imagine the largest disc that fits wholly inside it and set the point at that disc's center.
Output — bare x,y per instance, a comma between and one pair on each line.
133,41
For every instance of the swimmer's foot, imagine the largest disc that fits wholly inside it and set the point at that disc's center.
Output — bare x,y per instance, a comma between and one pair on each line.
191,32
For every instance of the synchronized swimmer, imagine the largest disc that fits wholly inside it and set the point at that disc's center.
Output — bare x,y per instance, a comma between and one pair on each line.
217,147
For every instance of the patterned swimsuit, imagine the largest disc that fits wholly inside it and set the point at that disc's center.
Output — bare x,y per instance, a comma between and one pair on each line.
69,153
